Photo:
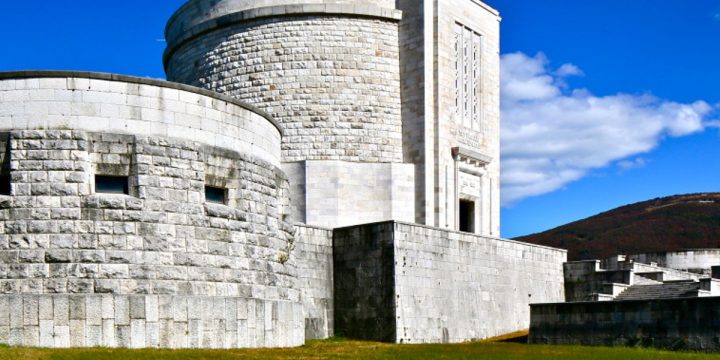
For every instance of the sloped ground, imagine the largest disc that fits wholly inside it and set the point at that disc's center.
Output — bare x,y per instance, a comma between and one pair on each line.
344,349
665,224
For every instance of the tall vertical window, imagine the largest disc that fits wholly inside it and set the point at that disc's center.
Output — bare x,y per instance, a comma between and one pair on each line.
467,76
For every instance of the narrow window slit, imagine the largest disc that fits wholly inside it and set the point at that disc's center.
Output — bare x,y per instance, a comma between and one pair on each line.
5,177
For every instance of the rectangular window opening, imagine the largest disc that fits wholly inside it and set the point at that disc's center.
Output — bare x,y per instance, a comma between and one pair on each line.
5,186
215,195
467,216
107,184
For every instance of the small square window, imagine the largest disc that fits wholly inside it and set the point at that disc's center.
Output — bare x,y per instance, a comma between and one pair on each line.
215,195
111,184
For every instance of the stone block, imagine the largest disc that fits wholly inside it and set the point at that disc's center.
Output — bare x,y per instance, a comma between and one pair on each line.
31,335
93,308
77,333
62,336
137,333
108,307
137,307
123,336
122,310
108,333
93,335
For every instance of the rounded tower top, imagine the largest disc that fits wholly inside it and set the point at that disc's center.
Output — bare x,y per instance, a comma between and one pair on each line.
199,16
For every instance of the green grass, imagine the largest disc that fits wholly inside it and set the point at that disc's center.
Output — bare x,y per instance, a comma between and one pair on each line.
346,349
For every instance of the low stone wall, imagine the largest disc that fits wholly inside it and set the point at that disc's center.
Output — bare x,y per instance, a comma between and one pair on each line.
697,261
414,284
688,324
140,321
314,259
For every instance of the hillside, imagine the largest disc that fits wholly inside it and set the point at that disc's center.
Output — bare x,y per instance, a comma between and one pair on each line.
671,223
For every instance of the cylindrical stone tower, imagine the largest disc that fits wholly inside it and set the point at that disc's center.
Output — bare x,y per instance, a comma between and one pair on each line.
328,71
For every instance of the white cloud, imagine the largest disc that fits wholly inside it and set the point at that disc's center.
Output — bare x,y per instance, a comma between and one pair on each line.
552,136
630,164
569,70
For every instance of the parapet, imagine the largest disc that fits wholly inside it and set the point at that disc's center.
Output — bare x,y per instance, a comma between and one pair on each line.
34,100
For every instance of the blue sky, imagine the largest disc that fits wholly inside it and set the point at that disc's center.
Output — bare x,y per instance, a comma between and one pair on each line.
606,102
666,48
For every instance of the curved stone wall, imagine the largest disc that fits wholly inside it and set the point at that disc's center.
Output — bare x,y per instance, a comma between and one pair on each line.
330,76
221,273
196,12
129,105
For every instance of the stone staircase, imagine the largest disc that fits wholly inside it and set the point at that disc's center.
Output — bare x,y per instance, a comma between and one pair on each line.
666,290
617,279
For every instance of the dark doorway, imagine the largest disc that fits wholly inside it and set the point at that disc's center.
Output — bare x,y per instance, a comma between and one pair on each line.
467,216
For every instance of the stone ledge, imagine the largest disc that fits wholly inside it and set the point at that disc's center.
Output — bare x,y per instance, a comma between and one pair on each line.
37,74
351,10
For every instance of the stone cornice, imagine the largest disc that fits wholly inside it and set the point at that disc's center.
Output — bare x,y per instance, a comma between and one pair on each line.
470,156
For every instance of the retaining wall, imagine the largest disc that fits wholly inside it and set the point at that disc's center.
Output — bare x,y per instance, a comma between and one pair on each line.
414,284
678,324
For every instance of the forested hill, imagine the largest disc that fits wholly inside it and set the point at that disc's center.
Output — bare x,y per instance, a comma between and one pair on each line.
672,223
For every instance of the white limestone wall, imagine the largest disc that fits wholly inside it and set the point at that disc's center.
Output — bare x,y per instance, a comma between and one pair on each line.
484,139
416,83
62,241
455,287
331,80
408,283
314,257
148,321
431,127
339,193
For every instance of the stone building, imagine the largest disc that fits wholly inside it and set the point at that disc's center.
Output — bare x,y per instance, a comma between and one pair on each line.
311,168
